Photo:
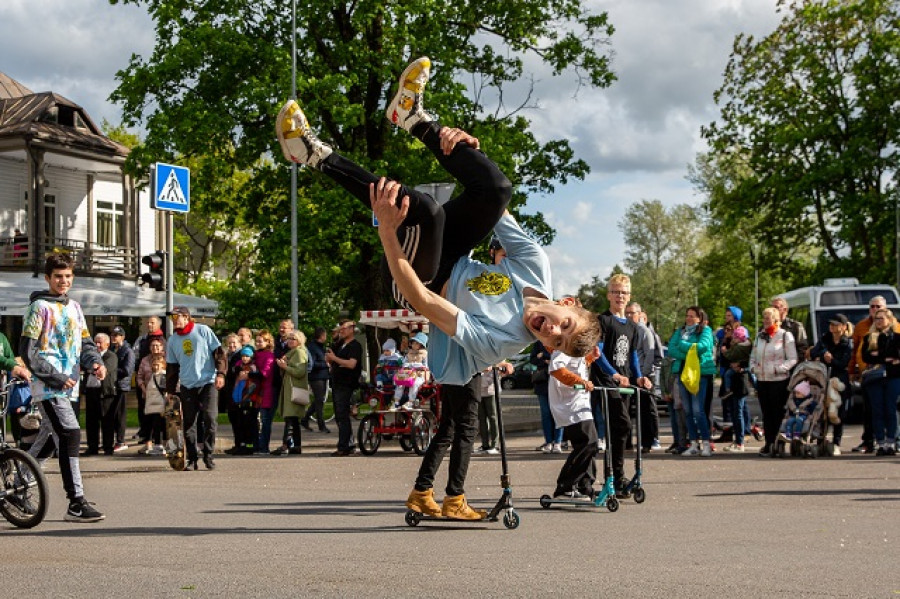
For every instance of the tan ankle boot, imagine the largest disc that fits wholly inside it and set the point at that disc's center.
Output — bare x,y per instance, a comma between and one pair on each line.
423,502
456,507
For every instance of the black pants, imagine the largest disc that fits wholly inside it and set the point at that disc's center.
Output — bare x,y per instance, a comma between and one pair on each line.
456,432
200,410
121,417
649,418
291,438
93,415
342,396
109,421
319,390
433,236
580,470
244,419
618,423
773,397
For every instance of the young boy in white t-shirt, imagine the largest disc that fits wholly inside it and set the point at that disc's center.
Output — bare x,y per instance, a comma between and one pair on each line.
570,402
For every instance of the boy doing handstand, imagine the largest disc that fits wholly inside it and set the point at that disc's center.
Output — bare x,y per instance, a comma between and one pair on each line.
480,313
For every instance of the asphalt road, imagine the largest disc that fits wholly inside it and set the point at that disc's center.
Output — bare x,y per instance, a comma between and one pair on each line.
318,526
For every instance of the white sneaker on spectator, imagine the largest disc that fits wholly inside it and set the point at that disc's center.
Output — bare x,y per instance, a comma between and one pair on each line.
693,450
655,446
705,450
555,448
601,444
492,451
545,448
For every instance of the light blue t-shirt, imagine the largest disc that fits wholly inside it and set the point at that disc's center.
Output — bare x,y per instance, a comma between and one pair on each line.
194,355
489,325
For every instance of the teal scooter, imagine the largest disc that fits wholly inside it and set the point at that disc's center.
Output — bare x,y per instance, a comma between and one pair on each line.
606,495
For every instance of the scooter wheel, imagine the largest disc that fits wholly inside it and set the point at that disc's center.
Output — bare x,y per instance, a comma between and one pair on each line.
545,501
639,495
612,504
413,517
511,519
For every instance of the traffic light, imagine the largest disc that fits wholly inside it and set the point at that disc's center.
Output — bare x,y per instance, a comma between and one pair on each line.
156,277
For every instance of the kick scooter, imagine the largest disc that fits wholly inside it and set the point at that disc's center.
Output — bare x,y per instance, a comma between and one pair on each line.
504,504
606,495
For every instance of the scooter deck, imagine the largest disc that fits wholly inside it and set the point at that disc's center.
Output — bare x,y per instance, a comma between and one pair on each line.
611,503
510,518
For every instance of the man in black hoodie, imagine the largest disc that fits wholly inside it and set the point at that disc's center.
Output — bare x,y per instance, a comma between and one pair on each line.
56,346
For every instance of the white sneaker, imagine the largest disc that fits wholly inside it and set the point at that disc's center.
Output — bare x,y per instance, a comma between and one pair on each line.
156,450
706,450
406,110
544,448
298,142
693,450
492,451
837,450
734,448
555,448
655,446
601,444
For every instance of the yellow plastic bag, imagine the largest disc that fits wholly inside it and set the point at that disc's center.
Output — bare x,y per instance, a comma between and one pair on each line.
690,374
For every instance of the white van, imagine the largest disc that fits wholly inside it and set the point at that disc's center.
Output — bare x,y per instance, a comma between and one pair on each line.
814,306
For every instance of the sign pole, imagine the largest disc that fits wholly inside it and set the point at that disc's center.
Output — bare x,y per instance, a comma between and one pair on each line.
170,268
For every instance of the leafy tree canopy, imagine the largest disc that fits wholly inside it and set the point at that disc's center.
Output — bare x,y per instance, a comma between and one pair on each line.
220,71
807,140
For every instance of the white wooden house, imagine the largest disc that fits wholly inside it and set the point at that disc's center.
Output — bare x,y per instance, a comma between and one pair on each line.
62,186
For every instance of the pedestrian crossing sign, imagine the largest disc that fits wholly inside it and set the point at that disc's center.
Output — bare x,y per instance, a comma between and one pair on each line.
171,188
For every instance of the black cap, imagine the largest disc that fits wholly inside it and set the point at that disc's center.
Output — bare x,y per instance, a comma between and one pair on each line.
838,319
117,331
179,310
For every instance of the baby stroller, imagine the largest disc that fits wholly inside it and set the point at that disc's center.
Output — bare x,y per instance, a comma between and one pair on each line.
812,441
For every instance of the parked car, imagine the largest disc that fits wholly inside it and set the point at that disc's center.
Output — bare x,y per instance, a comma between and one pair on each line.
520,378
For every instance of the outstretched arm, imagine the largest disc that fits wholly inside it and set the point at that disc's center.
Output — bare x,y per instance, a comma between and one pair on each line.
390,215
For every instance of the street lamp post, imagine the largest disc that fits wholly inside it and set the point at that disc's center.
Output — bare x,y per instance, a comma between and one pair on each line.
294,261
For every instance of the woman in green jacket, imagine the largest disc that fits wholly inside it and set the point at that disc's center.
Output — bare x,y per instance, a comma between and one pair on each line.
294,368
694,332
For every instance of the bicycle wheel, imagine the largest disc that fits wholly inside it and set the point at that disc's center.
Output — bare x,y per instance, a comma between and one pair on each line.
327,409
367,439
422,432
24,497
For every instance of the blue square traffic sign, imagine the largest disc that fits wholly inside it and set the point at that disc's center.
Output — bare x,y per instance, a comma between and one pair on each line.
171,188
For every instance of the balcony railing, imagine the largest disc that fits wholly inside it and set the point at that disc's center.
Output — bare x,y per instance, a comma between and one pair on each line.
90,258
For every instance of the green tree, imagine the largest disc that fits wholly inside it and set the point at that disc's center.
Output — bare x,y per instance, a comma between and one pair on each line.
811,113
220,70
662,251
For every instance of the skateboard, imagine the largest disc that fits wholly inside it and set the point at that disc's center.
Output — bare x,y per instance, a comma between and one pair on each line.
174,433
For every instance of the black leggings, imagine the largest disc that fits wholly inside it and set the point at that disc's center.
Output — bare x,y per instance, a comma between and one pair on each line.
435,236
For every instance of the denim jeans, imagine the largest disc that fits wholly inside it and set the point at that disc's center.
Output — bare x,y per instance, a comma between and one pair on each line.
883,399
343,398
551,433
599,417
266,415
694,410
738,413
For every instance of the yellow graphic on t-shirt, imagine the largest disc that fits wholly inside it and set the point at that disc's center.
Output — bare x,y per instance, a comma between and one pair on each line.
489,283
187,347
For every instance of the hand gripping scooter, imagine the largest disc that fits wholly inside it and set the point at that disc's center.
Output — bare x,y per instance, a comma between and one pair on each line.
504,504
606,495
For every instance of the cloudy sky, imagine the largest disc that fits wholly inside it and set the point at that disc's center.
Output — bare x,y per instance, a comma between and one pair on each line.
638,136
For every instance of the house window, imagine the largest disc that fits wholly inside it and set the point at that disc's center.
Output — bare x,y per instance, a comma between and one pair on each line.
50,216
110,224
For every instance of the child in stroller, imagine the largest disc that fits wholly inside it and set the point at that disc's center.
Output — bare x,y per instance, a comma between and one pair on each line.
412,374
802,404
805,425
